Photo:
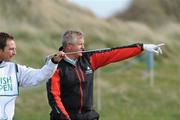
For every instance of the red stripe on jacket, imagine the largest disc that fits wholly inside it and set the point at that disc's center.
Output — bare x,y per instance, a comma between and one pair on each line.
55,90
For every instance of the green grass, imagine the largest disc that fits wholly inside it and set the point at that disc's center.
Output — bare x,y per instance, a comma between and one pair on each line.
132,98
125,95
33,103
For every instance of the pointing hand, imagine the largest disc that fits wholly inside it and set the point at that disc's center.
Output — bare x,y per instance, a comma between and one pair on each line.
153,48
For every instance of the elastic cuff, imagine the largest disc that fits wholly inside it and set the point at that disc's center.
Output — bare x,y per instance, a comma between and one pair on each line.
140,45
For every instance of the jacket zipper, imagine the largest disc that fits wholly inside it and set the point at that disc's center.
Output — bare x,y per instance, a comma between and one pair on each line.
81,78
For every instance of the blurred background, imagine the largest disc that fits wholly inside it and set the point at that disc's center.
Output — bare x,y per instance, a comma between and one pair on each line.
124,90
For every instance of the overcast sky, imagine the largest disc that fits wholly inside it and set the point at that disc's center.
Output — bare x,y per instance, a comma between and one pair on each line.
103,8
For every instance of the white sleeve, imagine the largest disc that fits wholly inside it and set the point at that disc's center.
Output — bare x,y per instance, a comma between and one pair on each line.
28,76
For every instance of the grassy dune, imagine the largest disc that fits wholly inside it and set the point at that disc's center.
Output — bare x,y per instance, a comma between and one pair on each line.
153,13
126,94
126,91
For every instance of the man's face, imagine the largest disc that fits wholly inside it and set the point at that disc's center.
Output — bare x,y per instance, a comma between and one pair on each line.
78,46
9,51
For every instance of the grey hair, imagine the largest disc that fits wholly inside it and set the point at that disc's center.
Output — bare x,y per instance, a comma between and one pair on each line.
71,36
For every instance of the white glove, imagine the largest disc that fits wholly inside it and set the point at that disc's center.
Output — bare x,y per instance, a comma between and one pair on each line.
153,48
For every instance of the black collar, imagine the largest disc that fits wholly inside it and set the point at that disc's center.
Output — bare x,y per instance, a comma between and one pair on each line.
0,62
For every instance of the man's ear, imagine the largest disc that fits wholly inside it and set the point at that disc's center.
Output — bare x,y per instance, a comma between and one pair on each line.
68,47
1,51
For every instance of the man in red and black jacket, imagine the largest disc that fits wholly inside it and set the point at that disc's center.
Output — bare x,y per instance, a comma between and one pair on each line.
70,89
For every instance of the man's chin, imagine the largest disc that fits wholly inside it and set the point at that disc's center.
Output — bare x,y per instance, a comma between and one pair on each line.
8,60
80,54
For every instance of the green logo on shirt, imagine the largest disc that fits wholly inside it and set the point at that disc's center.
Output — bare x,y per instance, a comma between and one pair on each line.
6,84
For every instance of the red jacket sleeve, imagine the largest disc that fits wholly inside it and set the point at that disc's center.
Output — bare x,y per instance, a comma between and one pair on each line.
103,58
56,93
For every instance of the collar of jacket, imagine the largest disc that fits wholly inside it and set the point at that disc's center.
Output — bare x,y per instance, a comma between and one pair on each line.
71,61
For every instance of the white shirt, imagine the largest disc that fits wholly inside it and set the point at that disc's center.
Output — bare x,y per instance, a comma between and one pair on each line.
10,80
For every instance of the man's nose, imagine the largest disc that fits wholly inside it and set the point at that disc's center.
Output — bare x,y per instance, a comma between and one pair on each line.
82,46
14,52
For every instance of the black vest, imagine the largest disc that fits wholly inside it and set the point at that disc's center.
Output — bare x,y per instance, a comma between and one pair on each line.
76,85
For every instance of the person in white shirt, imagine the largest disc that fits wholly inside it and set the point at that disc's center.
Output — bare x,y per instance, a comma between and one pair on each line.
13,76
